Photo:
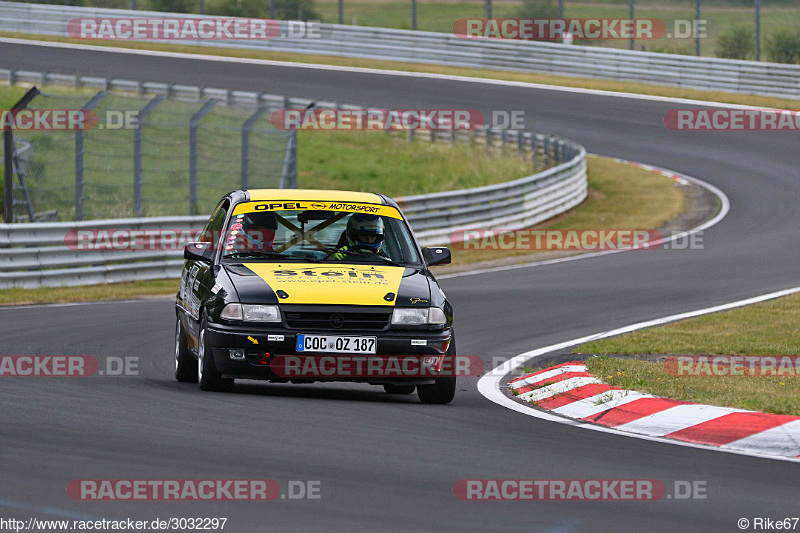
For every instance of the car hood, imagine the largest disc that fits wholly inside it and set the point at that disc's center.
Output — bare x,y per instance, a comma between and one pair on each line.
330,284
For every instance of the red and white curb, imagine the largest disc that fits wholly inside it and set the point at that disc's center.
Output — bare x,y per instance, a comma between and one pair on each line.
570,390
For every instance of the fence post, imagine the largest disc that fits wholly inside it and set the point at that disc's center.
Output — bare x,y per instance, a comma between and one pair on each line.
246,127
137,152
79,137
546,152
194,122
289,174
8,154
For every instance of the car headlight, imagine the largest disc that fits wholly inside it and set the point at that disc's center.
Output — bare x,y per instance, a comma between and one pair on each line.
418,316
251,313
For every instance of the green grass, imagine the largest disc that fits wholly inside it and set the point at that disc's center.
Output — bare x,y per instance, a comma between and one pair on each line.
110,291
393,166
768,328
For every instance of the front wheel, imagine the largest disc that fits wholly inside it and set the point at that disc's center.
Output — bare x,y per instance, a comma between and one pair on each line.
207,374
443,389
185,364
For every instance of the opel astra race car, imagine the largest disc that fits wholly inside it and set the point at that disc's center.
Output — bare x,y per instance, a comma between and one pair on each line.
312,285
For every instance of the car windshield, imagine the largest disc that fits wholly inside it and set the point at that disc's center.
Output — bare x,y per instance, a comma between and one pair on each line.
317,235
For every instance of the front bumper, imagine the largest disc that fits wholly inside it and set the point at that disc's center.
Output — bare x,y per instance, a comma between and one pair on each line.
260,352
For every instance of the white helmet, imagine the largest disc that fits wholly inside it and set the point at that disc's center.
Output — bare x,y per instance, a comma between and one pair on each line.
360,227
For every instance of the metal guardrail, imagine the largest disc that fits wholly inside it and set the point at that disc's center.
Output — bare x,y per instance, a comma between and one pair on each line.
769,79
49,254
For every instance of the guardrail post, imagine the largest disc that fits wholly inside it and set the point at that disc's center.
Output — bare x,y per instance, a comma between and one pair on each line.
194,122
79,137
137,152
246,127
8,154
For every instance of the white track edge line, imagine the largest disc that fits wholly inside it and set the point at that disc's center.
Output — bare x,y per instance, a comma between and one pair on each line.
489,384
388,72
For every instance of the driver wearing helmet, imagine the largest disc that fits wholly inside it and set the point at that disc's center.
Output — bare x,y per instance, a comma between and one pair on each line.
364,233
257,232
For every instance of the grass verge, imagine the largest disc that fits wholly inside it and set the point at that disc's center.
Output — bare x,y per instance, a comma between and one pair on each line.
767,328
564,81
110,291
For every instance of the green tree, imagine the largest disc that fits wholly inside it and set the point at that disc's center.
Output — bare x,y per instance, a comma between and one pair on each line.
783,46
736,43
284,9
537,9
172,6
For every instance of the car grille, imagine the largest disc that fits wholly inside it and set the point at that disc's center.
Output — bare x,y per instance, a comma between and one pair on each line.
326,320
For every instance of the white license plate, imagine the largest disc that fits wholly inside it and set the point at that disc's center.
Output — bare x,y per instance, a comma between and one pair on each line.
336,344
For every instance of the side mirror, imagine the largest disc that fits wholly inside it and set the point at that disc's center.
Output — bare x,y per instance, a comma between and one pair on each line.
199,251
438,255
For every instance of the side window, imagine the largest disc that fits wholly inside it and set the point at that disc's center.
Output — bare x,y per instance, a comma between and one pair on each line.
213,230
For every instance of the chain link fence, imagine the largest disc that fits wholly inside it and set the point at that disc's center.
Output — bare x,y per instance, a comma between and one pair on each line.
141,156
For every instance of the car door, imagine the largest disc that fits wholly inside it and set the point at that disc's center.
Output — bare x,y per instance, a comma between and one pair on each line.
197,279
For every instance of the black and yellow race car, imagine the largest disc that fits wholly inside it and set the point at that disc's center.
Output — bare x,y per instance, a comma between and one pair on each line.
312,285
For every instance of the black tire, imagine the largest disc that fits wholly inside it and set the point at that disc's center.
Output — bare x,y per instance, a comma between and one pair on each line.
444,389
391,388
207,374
185,364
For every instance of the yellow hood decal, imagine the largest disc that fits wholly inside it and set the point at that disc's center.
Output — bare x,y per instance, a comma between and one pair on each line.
306,283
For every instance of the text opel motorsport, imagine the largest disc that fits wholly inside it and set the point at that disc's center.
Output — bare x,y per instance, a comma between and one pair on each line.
282,278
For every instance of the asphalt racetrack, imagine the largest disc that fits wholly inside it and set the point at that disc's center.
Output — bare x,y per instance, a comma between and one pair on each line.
389,463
